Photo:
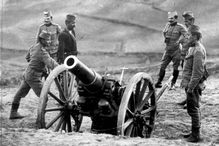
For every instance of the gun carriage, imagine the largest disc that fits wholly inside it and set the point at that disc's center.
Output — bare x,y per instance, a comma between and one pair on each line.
72,90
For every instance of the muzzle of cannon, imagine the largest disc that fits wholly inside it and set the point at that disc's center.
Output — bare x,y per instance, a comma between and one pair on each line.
128,110
90,79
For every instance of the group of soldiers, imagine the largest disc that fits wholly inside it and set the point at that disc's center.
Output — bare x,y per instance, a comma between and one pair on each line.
52,46
183,47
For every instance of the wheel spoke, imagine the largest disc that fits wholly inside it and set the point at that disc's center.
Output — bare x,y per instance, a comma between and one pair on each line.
129,112
54,120
132,103
133,131
141,94
69,123
59,124
137,90
60,89
127,123
65,83
64,124
147,111
129,130
54,109
56,98
73,95
71,85
145,100
139,130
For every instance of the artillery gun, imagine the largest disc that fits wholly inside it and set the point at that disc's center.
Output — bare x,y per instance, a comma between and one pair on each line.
72,90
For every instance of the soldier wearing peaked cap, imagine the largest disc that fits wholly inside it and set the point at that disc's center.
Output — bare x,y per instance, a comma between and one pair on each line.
39,59
193,78
67,39
188,14
189,21
174,33
53,29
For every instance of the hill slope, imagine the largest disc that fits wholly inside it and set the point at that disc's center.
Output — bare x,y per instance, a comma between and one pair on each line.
116,25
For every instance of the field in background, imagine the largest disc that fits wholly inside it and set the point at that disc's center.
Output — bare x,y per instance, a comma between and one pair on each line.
107,26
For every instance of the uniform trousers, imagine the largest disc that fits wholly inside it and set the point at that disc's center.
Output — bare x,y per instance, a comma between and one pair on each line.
193,101
168,56
31,79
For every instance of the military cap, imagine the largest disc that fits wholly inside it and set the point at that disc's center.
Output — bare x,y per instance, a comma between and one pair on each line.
47,14
70,17
44,35
172,14
188,14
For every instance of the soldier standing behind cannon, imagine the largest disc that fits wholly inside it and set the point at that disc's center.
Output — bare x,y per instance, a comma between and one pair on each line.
174,33
39,59
53,29
67,39
189,21
192,81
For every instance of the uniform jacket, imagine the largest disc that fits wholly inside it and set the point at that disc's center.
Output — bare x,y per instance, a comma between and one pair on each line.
54,30
174,33
39,59
193,70
67,45
185,44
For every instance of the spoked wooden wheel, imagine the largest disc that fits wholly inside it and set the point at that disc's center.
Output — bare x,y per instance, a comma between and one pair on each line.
57,108
137,110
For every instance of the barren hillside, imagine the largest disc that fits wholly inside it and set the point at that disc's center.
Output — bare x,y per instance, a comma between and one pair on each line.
111,34
102,25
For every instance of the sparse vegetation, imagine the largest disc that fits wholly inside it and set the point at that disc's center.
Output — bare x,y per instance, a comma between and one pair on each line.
111,34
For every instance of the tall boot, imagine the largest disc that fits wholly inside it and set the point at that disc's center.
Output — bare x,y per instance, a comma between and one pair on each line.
182,103
14,114
175,76
160,79
195,136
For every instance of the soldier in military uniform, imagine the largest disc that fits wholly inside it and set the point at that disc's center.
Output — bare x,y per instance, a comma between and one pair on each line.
192,81
54,30
189,21
39,59
174,33
67,39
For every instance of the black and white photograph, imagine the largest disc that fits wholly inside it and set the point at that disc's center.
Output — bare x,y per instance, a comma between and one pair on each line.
109,72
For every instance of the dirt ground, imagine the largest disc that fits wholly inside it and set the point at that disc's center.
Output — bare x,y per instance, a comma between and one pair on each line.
171,120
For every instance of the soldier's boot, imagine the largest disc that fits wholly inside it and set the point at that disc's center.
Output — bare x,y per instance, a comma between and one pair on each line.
160,79
175,76
14,112
187,135
195,135
182,103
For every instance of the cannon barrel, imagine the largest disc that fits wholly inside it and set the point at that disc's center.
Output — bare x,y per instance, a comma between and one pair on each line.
91,80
